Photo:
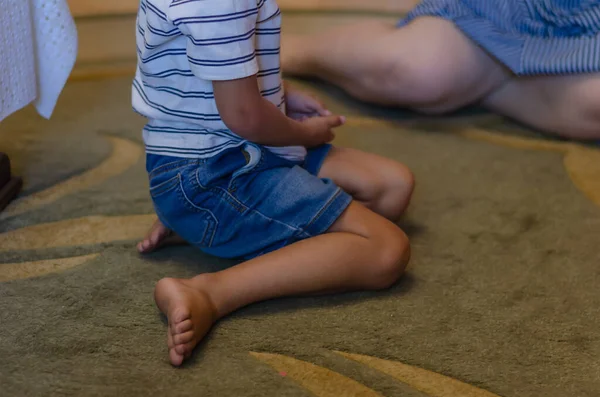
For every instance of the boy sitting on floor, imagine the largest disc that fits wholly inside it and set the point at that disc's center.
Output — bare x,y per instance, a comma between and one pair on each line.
240,167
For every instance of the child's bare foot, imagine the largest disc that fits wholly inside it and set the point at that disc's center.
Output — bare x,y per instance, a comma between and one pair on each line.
158,236
190,312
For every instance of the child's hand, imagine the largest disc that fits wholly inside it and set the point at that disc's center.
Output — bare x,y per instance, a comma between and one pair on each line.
319,129
301,106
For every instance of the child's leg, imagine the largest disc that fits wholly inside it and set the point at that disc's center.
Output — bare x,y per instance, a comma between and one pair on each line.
362,250
382,185
427,65
157,237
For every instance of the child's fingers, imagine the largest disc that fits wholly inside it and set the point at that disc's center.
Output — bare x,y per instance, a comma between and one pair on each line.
319,108
334,121
326,122
300,116
296,116
314,105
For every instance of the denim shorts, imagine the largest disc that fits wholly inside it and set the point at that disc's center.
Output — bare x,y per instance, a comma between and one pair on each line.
245,201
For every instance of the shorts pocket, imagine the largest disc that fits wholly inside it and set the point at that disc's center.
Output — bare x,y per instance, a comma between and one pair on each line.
163,187
254,156
194,224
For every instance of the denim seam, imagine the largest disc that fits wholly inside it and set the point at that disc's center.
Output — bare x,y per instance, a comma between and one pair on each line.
187,202
295,229
233,183
321,211
164,187
174,165
220,192
254,210
299,231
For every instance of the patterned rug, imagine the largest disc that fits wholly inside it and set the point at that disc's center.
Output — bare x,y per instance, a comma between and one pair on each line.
500,299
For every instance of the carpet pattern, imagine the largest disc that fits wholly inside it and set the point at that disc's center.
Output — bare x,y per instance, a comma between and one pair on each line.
500,298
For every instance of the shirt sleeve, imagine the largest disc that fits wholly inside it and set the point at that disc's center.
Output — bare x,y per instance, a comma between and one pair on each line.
220,36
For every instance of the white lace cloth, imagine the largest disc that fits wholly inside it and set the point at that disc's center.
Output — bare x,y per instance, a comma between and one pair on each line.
38,48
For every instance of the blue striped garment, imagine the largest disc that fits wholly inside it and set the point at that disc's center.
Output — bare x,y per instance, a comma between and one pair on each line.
530,37
184,45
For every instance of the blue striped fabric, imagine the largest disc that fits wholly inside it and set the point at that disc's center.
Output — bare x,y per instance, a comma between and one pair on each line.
530,37
184,45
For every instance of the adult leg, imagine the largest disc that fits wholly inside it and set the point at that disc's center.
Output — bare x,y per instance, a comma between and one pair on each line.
362,250
431,66
568,106
428,65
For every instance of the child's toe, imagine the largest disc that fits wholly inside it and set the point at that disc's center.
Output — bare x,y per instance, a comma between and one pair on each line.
183,338
175,357
180,315
170,342
184,326
185,348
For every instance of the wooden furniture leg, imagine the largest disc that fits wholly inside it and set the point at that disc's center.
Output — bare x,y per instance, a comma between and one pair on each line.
9,184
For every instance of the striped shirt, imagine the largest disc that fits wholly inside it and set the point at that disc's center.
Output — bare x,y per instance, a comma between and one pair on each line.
184,45
530,37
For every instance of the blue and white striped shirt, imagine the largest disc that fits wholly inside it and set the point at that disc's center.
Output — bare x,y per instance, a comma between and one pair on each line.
530,37
184,45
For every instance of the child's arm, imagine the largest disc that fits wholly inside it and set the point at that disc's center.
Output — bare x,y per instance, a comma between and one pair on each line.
220,48
252,117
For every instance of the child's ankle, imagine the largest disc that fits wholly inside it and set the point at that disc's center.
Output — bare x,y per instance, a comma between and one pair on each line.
207,283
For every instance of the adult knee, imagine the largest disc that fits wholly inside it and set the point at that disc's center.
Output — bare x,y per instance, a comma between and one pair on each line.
578,119
586,122
423,82
400,81
429,82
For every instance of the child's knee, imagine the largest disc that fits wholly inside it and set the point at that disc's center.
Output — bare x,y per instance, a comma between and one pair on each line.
396,187
401,185
390,261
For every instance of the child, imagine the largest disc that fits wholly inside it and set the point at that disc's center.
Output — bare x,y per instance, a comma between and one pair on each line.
537,61
231,174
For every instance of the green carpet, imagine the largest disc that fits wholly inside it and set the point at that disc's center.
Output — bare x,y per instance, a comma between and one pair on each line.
501,297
